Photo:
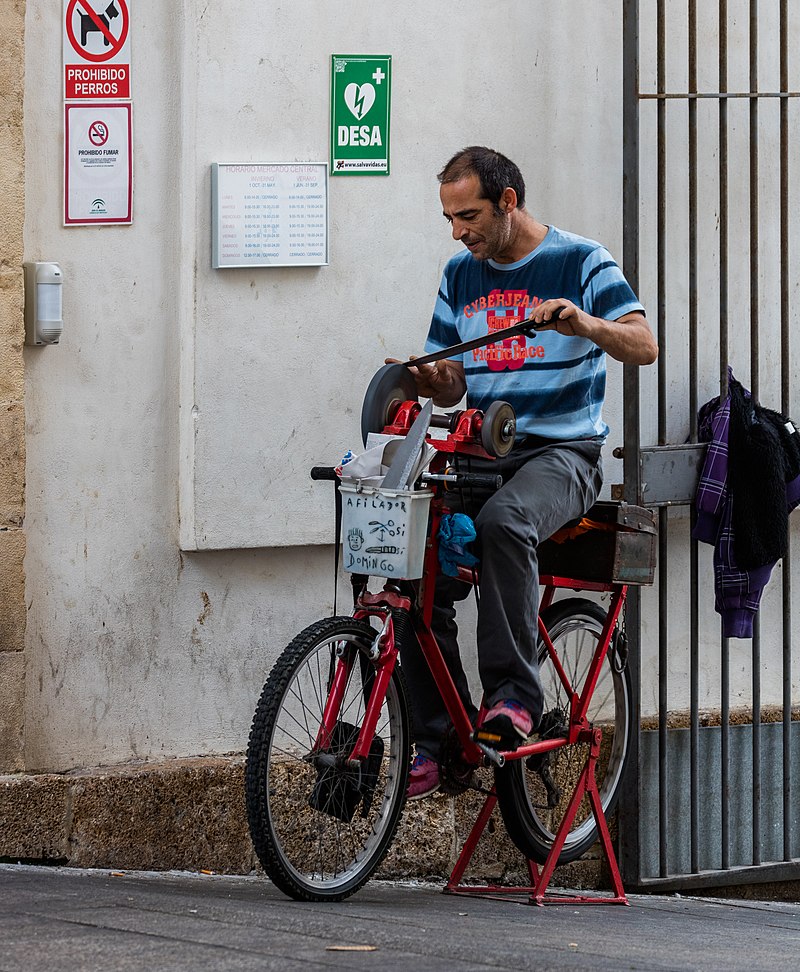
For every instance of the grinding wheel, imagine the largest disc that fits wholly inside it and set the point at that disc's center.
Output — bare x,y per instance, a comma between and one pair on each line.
499,429
391,385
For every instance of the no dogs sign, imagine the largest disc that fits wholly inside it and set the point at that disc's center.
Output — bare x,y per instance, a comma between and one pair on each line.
97,55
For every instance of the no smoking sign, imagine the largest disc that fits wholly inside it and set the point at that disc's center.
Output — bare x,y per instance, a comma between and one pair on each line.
98,133
96,46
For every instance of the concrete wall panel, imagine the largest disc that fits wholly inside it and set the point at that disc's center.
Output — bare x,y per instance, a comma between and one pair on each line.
159,420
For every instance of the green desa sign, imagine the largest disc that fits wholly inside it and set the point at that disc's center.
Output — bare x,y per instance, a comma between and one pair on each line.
360,101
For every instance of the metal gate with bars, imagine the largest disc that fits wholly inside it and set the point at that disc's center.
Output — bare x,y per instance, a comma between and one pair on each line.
709,155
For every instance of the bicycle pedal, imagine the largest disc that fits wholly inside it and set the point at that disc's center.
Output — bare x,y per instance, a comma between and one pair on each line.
491,754
487,738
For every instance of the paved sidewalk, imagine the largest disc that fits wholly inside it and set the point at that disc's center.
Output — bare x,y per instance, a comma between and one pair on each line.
54,919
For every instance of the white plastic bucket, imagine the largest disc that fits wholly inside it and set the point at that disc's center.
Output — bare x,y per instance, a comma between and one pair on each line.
384,530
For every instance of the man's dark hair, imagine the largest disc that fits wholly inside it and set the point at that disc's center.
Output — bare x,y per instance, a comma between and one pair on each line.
494,171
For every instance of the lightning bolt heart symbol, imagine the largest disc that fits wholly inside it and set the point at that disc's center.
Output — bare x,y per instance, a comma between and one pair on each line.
359,98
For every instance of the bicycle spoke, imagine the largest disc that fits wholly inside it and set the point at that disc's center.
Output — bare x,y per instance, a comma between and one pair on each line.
304,708
525,788
303,726
321,829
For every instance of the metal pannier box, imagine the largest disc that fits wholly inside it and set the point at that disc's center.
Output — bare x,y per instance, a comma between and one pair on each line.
613,543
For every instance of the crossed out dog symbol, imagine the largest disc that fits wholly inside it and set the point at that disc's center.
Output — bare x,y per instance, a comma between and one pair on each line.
88,25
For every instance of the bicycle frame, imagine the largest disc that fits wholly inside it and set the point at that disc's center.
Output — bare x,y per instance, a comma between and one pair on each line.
383,654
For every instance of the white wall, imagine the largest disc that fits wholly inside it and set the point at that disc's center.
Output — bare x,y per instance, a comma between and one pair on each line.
134,648
278,358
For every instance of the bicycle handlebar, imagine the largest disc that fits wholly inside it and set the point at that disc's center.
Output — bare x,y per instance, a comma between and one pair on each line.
323,472
478,480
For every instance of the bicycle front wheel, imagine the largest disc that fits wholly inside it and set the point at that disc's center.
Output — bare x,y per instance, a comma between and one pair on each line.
534,793
320,827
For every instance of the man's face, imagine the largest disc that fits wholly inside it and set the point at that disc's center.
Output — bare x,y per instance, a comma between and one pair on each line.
483,231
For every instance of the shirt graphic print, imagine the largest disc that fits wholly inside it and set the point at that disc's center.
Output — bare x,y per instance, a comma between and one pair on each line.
555,383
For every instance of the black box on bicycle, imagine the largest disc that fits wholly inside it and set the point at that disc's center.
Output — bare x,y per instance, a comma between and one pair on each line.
613,543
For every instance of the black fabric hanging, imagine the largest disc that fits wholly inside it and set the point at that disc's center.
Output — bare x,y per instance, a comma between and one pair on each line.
762,454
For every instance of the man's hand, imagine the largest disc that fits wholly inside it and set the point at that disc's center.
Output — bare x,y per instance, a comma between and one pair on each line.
628,339
443,381
563,316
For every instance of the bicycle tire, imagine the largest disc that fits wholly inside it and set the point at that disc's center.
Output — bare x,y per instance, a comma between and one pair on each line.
574,626
308,851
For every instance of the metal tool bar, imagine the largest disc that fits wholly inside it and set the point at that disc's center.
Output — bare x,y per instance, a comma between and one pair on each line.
525,327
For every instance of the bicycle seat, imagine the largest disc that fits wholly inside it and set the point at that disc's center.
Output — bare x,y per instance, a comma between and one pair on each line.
613,543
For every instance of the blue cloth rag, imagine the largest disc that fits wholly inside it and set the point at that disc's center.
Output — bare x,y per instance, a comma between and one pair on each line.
456,530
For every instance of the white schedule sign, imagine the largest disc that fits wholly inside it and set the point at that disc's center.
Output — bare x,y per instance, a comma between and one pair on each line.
269,214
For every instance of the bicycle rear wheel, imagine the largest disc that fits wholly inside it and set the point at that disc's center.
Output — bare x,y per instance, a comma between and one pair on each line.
320,828
534,793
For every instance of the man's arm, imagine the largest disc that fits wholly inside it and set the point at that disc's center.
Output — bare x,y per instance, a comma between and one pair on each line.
443,381
628,339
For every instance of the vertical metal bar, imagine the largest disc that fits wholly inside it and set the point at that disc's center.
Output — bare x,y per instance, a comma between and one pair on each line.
663,556
725,731
629,849
786,365
694,618
785,284
693,285
756,811
754,387
630,237
661,219
724,358
694,706
754,223
787,706
663,697
723,380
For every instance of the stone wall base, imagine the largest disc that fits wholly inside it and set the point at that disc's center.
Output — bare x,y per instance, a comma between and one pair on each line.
189,815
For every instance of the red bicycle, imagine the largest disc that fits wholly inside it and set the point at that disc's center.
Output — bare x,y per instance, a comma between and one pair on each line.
330,745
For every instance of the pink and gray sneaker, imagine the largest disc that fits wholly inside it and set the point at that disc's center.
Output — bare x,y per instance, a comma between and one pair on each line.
424,779
505,725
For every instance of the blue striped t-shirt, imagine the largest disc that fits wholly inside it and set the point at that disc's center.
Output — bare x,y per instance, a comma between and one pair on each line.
555,383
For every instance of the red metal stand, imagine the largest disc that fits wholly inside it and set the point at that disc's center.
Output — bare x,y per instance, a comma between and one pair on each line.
537,890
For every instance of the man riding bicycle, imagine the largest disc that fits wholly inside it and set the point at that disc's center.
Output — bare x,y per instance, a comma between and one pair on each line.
517,268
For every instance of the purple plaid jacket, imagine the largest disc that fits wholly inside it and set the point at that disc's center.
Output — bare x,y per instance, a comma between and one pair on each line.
737,592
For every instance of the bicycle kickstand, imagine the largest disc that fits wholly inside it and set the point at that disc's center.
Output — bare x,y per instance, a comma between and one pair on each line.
540,878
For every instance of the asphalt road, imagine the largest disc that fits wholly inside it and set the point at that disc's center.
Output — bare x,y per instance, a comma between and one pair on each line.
54,919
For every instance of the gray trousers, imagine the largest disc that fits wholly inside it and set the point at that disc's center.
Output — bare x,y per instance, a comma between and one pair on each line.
544,487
